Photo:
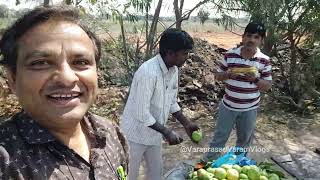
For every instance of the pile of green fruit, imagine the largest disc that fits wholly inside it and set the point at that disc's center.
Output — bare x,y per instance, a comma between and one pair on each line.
235,172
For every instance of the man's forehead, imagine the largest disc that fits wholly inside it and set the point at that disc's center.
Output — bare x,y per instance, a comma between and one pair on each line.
54,28
252,34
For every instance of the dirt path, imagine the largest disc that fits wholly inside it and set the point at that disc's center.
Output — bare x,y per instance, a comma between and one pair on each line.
225,40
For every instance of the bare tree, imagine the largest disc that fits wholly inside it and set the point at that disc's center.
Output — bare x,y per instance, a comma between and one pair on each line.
178,12
46,3
180,16
153,30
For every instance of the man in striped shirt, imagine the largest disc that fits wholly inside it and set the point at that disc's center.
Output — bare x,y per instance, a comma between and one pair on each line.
153,96
242,89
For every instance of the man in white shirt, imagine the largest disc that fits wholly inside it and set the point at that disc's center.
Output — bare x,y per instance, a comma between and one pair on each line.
153,95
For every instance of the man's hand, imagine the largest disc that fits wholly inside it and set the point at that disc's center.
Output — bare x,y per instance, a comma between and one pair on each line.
251,77
190,127
173,138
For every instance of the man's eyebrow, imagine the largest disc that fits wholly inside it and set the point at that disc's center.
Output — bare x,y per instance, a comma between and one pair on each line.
81,55
38,54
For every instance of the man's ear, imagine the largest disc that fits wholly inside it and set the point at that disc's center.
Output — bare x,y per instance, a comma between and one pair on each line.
11,76
170,53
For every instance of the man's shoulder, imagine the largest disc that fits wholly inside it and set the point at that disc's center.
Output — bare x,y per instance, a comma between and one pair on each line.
9,136
263,56
233,50
150,67
7,126
233,53
111,128
106,123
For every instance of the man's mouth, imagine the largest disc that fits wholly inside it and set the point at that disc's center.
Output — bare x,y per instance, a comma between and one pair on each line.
65,99
64,96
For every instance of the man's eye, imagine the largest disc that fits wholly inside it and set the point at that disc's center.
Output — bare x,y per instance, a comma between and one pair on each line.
39,63
81,62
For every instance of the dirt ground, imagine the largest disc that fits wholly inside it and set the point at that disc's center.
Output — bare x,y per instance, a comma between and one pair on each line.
225,40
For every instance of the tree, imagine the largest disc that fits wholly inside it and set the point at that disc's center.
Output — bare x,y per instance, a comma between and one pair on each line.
4,11
203,16
182,16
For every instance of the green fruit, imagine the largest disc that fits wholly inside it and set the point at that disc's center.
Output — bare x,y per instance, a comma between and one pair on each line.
273,177
237,167
264,173
243,176
245,169
226,166
211,170
210,176
195,178
232,174
253,173
263,178
220,173
197,135
194,174
203,174
190,175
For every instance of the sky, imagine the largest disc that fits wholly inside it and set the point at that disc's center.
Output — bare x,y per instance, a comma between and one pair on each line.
166,9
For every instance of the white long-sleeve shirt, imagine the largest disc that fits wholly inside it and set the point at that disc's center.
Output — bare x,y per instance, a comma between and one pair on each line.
153,95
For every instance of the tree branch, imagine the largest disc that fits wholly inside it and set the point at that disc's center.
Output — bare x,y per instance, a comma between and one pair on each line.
228,9
181,6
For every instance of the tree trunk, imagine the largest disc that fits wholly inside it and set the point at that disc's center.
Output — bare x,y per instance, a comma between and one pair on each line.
46,3
68,2
269,42
178,12
153,30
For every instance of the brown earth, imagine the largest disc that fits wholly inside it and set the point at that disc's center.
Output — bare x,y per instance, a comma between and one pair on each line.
225,39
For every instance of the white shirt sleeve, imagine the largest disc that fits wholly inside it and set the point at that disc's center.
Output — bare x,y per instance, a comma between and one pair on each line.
174,104
141,90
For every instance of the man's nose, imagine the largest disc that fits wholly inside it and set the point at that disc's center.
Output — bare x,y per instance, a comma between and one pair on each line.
65,75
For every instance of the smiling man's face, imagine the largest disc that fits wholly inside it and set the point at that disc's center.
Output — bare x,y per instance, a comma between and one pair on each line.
56,73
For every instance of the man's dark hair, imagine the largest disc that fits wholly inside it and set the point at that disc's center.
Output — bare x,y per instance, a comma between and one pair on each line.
175,40
9,41
256,27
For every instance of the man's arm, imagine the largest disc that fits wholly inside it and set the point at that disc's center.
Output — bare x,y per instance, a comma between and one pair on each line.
265,81
170,136
264,85
141,92
222,76
189,126
4,163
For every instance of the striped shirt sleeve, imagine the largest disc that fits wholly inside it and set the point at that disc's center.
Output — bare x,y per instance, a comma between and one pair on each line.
223,65
266,71
142,89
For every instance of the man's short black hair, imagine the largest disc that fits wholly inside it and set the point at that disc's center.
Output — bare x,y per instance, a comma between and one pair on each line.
175,40
11,36
256,27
